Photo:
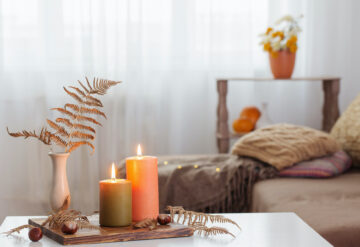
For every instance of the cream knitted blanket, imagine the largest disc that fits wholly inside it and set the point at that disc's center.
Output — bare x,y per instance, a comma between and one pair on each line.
282,145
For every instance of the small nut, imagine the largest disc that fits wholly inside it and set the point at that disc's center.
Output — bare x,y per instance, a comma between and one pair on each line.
164,219
69,227
35,234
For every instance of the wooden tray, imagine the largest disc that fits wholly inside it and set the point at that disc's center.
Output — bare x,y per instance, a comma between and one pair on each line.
112,234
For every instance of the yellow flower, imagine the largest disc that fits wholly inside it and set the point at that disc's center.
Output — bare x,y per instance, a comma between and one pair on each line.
268,30
289,43
281,35
267,47
293,38
293,48
274,54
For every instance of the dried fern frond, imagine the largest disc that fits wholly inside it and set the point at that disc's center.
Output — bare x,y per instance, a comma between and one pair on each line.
86,225
66,112
78,90
69,124
222,219
88,119
92,101
146,223
72,106
211,231
74,145
17,229
81,135
58,140
190,217
65,121
92,111
100,86
59,130
43,137
82,85
73,95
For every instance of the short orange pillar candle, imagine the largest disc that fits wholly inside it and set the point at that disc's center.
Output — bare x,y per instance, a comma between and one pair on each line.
142,171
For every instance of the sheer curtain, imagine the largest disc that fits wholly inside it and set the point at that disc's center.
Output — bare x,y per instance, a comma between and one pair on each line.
168,54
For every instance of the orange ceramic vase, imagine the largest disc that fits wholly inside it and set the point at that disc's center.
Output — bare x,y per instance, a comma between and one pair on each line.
282,66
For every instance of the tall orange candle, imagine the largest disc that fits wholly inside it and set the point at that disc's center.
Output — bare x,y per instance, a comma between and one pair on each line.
142,171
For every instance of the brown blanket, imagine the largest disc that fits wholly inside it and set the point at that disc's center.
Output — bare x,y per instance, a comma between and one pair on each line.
209,183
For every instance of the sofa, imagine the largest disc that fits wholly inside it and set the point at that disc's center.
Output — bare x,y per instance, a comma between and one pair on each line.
330,206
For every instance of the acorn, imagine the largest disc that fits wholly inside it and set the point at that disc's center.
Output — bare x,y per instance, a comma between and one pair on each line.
35,234
164,219
69,227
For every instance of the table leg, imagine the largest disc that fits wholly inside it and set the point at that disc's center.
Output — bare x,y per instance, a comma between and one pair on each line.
331,106
222,128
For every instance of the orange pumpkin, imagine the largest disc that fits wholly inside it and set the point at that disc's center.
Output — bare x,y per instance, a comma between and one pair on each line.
242,125
251,112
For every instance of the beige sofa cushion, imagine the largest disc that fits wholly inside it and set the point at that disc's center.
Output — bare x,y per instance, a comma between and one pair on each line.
347,131
282,145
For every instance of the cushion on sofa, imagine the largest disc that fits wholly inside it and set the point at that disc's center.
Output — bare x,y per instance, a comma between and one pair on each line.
347,131
324,167
283,145
329,206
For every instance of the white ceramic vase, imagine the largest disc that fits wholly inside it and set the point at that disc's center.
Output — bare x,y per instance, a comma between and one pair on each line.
60,194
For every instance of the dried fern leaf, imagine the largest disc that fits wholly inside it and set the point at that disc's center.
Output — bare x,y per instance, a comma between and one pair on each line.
78,90
59,130
26,134
65,121
45,136
66,112
81,135
75,145
82,85
91,100
17,229
58,140
100,86
190,217
88,119
72,106
69,124
92,103
92,111
73,95
222,219
87,225
88,83
146,223
211,231
84,127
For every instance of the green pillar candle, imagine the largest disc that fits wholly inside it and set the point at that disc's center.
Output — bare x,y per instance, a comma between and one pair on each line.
115,202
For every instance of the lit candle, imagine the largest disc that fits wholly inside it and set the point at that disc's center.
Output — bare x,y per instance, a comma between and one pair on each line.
142,171
115,201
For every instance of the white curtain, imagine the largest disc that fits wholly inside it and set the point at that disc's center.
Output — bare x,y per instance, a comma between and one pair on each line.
168,54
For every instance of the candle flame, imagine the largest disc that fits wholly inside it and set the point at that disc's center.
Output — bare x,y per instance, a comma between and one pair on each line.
139,153
113,175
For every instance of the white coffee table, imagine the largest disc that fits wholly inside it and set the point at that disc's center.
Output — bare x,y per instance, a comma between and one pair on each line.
258,230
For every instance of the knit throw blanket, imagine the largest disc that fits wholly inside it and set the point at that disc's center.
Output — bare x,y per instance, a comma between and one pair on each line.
209,183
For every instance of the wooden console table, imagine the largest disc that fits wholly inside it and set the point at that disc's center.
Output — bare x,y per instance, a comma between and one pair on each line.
331,88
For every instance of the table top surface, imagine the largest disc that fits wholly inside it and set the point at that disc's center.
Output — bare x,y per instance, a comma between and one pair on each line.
258,230
311,78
